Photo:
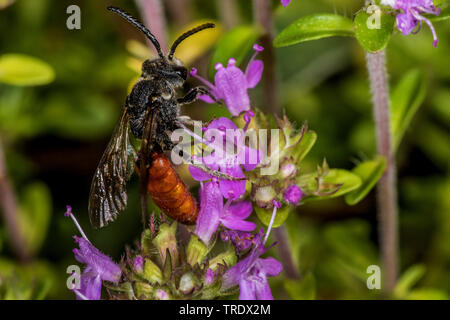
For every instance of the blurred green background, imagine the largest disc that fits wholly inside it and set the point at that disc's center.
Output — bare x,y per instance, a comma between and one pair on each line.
53,135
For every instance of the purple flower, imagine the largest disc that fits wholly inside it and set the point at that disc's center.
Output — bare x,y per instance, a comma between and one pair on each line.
209,277
241,240
138,264
251,275
231,83
224,138
292,194
285,3
411,15
99,267
213,212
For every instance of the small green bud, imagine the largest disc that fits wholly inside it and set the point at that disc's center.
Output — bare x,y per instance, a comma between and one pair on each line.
187,283
152,272
196,251
143,290
166,240
227,258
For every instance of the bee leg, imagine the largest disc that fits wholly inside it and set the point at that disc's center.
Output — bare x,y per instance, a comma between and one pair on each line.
215,173
193,94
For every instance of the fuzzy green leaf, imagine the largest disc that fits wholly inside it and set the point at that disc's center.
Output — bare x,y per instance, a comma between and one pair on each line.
408,279
406,99
373,38
369,172
342,181
305,145
265,216
314,27
22,70
236,43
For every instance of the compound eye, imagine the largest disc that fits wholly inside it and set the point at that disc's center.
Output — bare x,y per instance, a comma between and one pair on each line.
182,73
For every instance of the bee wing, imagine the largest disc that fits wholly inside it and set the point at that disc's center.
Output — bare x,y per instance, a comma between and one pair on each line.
108,189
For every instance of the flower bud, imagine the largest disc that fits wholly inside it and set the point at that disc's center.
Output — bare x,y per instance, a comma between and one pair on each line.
143,290
196,251
287,170
227,258
152,272
161,295
292,194
209,277
187,283
166,239
138,264
264,196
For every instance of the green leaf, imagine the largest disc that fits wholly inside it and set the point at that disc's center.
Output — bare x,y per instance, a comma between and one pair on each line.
347,181
34,215
371,36
408,279
304,289
406,99
236,43
22,70
265,216
304,146
313,27
369,172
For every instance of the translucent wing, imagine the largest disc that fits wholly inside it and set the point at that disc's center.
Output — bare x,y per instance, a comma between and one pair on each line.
108,189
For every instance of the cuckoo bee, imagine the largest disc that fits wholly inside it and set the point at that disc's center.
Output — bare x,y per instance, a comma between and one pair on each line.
151,111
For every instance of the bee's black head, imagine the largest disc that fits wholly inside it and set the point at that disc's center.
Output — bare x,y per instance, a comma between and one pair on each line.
172,71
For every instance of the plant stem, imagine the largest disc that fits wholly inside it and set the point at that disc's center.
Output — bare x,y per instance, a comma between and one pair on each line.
152,12
8,204
263,16
386,189
284,251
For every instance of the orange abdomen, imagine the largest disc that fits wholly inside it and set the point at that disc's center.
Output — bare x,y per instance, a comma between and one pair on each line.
169,192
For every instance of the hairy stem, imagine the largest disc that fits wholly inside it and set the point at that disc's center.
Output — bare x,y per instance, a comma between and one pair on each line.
9,209
263,16
386,189
152,12
284,251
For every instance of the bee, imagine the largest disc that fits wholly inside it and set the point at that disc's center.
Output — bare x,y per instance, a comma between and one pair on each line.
151,111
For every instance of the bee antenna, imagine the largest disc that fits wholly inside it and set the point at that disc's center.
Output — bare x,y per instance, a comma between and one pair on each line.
140,26
186,35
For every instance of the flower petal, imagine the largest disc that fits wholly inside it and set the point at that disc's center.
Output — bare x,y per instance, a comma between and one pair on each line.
254,72
232,189
211,204
270,266
262,291
252,158
237,224
98,262
90,286
231,85
206,98
240,210
198,174
247,290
